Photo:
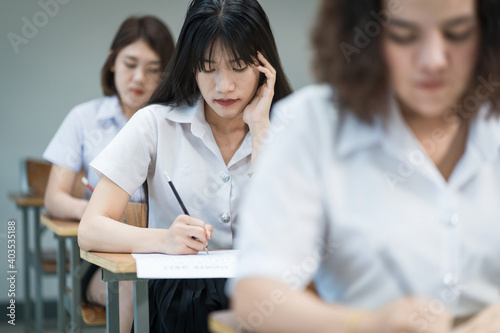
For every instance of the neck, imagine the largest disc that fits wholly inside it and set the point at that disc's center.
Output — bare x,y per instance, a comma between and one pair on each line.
225,127
128,111
443,138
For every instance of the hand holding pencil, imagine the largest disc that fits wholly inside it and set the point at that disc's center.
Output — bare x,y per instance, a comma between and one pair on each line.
185,225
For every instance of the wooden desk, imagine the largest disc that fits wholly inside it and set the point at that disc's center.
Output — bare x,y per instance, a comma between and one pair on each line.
121,267
27,203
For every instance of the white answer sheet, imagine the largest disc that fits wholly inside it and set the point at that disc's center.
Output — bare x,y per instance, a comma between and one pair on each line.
215,264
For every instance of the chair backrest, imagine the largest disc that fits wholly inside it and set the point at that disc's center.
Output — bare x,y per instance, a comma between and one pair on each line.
34,176
135,214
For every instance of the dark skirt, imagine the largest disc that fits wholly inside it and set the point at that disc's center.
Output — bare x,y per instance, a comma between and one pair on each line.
86,280
183,305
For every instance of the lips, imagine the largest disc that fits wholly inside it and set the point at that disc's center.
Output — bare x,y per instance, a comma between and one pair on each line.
431,84
137,92
226,102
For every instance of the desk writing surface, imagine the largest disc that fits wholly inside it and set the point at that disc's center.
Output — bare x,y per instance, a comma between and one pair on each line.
215,264
24,200
113,262
65,228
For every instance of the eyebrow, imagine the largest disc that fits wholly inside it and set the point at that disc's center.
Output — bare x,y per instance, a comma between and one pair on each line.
447,24
152,62
237,61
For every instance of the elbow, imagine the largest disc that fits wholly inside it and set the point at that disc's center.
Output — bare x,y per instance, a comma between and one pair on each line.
49,205
241,300
84,234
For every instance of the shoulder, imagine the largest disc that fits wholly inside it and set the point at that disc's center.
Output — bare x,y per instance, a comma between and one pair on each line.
91,107
315,99
152,113
313,94
311,106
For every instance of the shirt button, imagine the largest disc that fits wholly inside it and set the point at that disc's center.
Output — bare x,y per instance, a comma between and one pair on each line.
226,177
454,220
225,218
450,279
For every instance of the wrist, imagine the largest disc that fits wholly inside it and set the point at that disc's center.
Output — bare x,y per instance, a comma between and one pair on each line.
356,322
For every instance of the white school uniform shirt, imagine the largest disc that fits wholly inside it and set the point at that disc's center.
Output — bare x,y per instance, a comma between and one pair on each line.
85,131
365,213
178,140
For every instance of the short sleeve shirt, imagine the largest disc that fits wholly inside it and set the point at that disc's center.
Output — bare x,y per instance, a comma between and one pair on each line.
363,211
85,131
179,141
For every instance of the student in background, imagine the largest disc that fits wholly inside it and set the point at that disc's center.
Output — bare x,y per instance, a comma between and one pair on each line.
203,127
389,200
139,54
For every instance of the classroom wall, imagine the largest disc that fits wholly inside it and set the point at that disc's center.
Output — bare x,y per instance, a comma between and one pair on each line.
57,66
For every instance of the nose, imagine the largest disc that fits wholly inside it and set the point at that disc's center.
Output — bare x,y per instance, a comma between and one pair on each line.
432,56
139,74
224,82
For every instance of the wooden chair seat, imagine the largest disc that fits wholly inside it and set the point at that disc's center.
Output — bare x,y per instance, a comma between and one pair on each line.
225,322
93,315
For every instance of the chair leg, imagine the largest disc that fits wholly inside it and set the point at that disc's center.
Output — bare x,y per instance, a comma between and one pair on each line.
26,269
61,277
76,288
38,273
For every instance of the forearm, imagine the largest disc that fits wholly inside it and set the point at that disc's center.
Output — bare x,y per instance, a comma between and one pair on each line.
62,205
258,135
285,310
103,234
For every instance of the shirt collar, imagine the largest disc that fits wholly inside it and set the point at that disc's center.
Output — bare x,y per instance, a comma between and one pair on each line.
392,132
110,109
195,115
355,134
184,114
388,130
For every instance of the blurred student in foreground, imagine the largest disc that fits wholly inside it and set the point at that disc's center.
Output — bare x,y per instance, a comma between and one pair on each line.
389,200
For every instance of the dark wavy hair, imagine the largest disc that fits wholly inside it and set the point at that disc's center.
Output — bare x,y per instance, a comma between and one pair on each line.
360,76
146,28
240,26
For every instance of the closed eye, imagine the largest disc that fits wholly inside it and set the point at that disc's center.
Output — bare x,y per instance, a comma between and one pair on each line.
458,37
402,39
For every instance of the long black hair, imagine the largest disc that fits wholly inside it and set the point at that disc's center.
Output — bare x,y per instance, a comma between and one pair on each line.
240,26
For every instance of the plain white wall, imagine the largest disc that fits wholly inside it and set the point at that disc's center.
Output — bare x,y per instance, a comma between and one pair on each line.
57,66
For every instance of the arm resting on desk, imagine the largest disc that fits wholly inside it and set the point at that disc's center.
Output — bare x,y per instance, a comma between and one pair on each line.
286,310
59,202
100,230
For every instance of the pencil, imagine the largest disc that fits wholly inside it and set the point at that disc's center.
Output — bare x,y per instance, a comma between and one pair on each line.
179,200
86,183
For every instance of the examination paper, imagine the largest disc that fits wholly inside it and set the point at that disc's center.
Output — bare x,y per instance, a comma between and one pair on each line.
216,264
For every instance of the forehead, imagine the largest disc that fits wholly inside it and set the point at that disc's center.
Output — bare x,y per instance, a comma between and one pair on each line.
430,11
140,50
216,52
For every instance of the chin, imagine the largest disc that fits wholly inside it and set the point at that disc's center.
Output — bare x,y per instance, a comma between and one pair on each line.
229,114
430,110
